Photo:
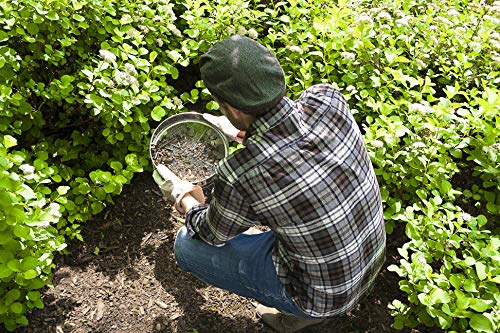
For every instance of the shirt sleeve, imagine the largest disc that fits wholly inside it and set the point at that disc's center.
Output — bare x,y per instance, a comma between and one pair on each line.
228,215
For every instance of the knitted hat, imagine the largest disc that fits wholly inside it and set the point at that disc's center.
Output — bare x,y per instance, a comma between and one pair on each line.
243,73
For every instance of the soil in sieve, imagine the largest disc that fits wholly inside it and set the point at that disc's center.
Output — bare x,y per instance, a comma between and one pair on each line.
191,159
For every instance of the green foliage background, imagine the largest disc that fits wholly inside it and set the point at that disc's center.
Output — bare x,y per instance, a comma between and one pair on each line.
82,84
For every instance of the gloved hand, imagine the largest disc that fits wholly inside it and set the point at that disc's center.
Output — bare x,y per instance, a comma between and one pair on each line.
174,188
225,126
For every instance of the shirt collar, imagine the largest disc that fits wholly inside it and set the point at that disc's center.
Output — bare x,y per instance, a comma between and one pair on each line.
270,118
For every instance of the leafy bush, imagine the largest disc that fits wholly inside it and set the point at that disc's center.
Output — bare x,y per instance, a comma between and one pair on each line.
83,83
79,84
28,238
451,270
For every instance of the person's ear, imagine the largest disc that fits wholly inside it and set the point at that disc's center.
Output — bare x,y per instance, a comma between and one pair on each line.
234,112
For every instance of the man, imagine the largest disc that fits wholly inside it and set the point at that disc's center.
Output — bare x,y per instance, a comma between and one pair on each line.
303,172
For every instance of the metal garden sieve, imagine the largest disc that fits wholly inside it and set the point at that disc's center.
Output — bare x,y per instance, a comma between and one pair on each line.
181,136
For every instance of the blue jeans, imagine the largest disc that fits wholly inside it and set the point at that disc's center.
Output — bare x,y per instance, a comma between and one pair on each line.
243,266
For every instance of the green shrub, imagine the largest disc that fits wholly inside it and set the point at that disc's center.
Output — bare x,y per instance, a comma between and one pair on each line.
451,270
28,238
79,85
82,84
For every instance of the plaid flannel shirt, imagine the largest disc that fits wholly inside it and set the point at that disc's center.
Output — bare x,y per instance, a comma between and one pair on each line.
306,174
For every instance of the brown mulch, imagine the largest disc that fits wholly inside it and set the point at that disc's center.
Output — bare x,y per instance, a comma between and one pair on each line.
124,278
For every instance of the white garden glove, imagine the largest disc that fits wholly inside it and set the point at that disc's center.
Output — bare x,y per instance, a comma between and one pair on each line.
226,127
174,188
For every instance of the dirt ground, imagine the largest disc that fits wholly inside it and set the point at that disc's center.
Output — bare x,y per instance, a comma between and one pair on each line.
124,278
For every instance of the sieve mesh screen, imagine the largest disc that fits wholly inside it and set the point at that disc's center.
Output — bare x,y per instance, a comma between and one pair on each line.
190,149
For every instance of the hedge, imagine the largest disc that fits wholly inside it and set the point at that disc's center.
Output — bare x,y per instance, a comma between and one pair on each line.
84,83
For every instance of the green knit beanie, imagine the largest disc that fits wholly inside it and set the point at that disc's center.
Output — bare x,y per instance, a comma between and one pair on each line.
243,73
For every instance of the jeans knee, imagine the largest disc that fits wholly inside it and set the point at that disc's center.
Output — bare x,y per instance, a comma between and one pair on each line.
179,244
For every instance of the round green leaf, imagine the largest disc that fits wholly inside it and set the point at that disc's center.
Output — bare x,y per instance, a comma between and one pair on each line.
78,17
39,304
14,265
100,193
11,296
57,178
115,165
62,190
157,113
480,305
481,323
32,28
30,274
20,31
5,256
110,187
105,176
212,105
97,207
28,263
16,307
9,141
481,270
439,296
34,295
470,285
21,231
126,19
3,36
481,220
52,15
5,271
22,320
84,188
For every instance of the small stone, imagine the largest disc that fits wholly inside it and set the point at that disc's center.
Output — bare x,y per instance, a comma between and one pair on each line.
100,310
161,304
175,316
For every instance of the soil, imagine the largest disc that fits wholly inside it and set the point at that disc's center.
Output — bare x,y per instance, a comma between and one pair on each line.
190,153
124,278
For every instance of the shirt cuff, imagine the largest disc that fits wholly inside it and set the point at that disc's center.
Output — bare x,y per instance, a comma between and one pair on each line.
193,217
